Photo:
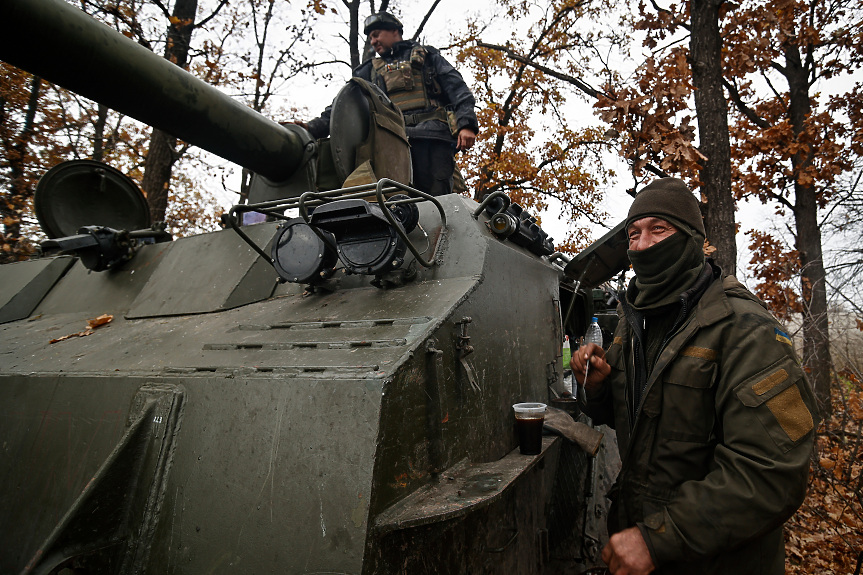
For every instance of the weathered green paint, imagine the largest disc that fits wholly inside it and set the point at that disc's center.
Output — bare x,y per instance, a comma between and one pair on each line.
222,423
305,417
24,284
206,273
81,291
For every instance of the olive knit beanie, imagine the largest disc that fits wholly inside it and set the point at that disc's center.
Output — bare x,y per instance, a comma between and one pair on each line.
667,197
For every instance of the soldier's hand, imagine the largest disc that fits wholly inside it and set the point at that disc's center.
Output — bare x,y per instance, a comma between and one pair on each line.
599,369
626,553
300,123
466,138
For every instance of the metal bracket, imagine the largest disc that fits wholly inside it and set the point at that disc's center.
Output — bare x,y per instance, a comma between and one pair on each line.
434,384
463,345
463,489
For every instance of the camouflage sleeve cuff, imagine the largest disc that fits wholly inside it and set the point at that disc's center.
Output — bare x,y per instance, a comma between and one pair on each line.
660,534
599,407
319,128
645,534
469,123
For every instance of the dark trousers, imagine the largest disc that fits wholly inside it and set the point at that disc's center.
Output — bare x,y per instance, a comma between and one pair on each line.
433,164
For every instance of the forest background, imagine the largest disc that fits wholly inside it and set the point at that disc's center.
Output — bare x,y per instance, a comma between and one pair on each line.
757,105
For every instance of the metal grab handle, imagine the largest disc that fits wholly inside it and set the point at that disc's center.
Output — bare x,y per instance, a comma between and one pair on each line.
575,290
488,199
379,192
560,256
229,220
314,199
272,207
503,548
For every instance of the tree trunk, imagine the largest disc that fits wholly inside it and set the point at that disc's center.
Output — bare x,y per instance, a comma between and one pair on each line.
157,172
99,133
161,154
354,32
712,110
816,341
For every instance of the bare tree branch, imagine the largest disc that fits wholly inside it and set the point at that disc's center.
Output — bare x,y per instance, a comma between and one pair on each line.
589,90
741,105
212,15
425,19
163,8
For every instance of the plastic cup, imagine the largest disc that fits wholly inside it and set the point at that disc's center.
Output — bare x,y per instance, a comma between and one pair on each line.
528,422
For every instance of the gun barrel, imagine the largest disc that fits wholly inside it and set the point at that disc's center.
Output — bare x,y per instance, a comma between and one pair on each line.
62,44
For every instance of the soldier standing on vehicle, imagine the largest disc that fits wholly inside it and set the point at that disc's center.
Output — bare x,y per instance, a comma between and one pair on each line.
437,105
714,416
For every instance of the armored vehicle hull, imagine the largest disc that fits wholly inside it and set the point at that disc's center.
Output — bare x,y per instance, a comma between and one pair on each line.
222,422
193,407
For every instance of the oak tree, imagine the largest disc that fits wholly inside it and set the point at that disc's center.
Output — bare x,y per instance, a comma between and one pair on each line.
528,146
789,144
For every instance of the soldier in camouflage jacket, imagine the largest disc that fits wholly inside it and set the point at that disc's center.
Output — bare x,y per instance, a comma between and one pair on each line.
714,416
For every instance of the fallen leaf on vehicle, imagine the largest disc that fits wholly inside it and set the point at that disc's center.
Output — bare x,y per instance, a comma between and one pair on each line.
101,320
91,325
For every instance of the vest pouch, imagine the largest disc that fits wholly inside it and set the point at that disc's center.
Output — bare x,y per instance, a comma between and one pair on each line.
398,77
418,56
404,81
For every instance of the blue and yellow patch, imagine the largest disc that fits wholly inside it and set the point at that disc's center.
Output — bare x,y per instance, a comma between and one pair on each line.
782,336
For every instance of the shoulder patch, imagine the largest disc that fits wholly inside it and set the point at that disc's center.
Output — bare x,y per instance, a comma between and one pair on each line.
781,336
769,382
617,340
699,352
791,413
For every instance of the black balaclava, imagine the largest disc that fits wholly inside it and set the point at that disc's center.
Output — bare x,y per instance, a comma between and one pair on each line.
663,272
666,269
671,266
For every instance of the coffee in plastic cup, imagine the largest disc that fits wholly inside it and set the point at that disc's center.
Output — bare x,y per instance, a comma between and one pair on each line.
528,422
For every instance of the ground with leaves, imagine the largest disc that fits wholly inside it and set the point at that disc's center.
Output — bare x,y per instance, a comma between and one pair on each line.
826,533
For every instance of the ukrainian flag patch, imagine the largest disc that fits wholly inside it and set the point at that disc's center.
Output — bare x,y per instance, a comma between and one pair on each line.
782,336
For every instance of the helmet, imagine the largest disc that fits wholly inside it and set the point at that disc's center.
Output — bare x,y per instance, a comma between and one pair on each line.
381,21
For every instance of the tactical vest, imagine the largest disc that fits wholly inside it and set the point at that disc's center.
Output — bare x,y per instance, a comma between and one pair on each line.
411,87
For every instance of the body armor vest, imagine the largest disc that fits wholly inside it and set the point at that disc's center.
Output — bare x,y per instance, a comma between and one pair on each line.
408,85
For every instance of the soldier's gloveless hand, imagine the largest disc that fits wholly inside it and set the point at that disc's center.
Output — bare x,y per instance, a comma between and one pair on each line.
599,369
626,553
466,139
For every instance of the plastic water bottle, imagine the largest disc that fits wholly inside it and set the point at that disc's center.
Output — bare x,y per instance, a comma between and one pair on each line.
594,333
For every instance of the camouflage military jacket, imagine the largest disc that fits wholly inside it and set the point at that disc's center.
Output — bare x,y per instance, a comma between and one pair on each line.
717,458
455,94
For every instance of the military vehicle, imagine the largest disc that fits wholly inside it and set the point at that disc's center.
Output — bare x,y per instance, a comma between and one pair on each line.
328,391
